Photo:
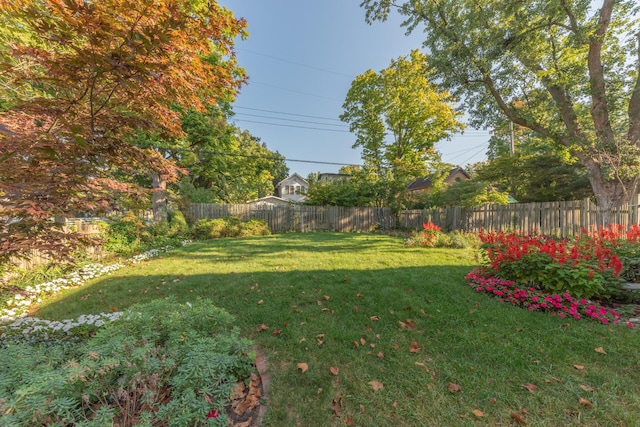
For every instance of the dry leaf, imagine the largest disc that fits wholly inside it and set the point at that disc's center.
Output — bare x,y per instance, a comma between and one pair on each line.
423,366
262,327
335,382
260,302
414,347
336,406
334,370
530,387
380,355
409,324
587,388
356,344
359,294
326,297
356,308
303,367
478,413
600,350
276,332
376,385
375,318
320,390
493,400
579,367
319,302
454,388
585,402
518,418
349,421
363,341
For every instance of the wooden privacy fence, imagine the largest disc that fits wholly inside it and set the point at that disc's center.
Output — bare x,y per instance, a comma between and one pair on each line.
300,217
81,226
552,218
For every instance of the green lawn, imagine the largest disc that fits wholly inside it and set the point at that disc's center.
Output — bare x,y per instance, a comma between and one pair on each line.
325,292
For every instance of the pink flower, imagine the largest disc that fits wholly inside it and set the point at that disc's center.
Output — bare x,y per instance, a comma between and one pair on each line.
629,324
213,414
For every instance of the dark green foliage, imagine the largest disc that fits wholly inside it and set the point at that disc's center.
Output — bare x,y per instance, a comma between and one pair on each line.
178,224
229,227
129,234
162,363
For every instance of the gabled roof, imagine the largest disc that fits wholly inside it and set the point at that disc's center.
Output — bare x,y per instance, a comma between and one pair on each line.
420,183
294,175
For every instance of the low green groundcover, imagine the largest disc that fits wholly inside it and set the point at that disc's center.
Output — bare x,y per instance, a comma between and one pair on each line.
160,363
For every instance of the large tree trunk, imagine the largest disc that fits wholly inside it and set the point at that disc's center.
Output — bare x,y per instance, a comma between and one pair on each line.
159,198
610,193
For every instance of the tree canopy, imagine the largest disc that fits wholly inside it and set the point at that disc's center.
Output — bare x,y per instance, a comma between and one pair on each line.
398,115
567,70
97,71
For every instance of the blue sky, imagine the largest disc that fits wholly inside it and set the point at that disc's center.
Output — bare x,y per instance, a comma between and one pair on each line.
301,57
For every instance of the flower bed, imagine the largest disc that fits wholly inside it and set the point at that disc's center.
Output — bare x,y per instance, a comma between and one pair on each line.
562,305
562,276
19,305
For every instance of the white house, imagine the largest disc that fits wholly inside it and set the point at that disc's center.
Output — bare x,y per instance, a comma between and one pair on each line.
268,202
293,188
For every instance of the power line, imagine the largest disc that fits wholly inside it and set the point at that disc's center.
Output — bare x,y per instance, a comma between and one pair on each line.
297,63
295,91
253,156
292,126
291,120
288,114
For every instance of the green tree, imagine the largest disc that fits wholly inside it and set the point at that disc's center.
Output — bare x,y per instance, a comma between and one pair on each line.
470,193
564,69
397,116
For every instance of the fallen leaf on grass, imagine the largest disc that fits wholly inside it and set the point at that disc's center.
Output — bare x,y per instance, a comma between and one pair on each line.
336,406
380,355
423,366
600,350
375,318
303,367
262,327
478,413
409,324
585,402
363,341
530,387
414,347
518,418
587,388
349,421
454,388
579,367
359,294
376,385
326,297
334,370
276,332
260,302
356,344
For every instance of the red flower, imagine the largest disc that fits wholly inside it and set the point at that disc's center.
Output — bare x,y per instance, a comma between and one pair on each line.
213,414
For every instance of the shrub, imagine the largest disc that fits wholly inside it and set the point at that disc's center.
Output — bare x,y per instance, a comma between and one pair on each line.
255,227
433,237
229,227
162,363
178,224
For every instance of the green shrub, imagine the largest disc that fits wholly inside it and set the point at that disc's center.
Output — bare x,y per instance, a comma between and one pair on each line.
255,227
162,363
178,224
229,227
